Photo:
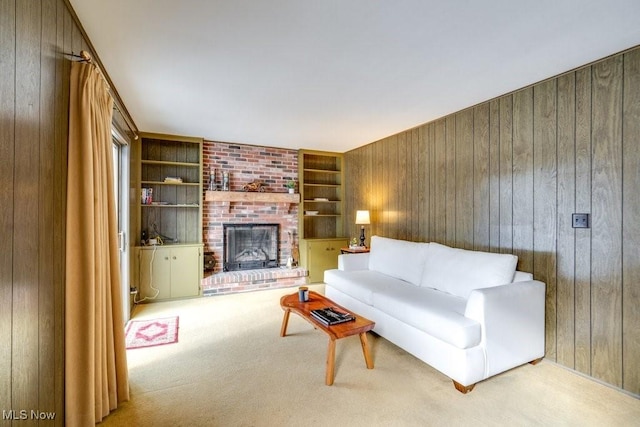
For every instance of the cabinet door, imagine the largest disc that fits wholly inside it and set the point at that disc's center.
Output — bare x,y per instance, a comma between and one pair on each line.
185,272
323,255
155,273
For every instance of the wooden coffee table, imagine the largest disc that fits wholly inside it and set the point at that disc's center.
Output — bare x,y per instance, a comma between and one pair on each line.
361,326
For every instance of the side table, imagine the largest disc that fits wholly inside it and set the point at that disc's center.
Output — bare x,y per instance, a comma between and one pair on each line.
356,250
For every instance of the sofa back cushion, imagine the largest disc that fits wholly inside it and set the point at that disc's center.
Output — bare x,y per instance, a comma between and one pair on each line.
459,271
398,258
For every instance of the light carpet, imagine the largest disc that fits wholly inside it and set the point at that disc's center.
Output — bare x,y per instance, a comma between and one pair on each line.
231,368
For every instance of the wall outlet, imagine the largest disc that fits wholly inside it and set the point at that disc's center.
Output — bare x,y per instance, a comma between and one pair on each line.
580,220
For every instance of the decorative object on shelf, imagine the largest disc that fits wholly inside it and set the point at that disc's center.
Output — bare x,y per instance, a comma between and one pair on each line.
146,196
362,219
212,180
311,212
254,186
291,185
225,181
173,180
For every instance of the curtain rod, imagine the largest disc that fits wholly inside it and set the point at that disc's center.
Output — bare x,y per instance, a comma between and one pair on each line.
86,57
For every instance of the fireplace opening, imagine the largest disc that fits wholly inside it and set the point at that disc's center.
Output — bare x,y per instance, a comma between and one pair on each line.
250,246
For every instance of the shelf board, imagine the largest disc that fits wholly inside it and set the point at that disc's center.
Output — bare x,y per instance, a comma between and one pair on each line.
322,215
322,171
169,163
192,184
313,184
321,201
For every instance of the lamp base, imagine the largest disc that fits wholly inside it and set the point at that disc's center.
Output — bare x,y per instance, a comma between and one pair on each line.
362,237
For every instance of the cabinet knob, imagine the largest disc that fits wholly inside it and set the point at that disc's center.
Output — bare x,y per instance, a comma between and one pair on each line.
166,258
174,257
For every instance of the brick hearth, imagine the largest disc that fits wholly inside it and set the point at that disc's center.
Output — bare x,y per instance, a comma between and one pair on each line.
252,280
247,163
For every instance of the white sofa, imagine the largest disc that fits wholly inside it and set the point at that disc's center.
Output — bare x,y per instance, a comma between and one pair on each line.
468,314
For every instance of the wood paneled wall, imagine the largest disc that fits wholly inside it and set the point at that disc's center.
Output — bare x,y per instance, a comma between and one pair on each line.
506,175
34,94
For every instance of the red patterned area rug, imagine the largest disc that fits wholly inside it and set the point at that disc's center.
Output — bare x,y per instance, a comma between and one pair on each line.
149,333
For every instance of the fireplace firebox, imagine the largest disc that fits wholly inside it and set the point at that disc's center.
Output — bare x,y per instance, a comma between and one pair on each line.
250,246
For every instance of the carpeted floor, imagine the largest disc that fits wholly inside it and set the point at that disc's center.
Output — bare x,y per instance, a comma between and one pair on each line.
231,368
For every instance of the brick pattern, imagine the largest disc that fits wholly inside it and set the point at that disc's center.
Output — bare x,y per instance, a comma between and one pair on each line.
245,164
253,280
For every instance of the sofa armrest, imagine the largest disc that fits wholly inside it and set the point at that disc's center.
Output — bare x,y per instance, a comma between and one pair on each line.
350,262
512,323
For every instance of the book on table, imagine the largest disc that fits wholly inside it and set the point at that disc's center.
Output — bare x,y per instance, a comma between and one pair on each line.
330,316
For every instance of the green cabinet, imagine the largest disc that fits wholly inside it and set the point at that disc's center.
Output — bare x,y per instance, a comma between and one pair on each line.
168,272
319,255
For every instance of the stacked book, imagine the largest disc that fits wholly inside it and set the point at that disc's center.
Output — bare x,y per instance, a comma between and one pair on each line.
330,316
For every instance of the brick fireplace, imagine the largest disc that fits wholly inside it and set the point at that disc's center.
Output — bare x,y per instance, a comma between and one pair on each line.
244,164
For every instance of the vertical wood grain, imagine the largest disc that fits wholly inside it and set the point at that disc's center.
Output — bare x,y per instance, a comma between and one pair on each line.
582,268
46,192
464,179
63,70
438,184
631,224
427,175
606,266
506,174
420,186
450,181
565,292
380,186
402,177
7,146
494,176
523,178
25,249
391,221
545,201
481,177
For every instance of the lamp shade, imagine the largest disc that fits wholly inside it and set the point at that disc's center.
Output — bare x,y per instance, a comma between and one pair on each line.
362,217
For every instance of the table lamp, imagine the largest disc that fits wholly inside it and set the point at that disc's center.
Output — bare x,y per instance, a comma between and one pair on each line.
362,219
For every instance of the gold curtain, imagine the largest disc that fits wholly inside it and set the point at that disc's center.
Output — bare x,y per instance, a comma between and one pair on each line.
96,378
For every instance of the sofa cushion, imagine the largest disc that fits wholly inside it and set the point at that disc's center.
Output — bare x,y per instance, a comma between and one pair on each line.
360,284
437,313
459,271
398,258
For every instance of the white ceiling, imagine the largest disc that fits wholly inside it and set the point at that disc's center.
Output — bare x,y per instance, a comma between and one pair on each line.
337,74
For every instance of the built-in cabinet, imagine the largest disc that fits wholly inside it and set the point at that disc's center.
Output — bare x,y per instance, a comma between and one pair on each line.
318,255
321,221
168,182
170,271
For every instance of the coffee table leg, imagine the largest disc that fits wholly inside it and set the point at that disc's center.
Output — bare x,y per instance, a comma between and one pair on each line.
285,322
331,359
365,350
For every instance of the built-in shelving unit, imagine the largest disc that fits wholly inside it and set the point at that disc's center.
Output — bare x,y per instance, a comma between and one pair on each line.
321,219
321,176
171,170
167,178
